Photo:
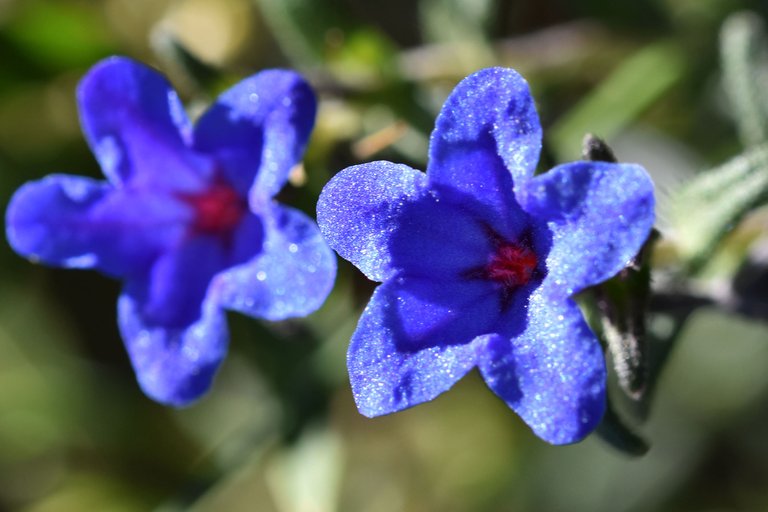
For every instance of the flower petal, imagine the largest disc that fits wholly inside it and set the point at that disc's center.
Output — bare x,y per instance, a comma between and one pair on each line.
486,137
358,212
425,312
292,276
553,373
388,376
137,127
600,215
174,331
174,366
445,235
258,130
247,241
171,295
78,222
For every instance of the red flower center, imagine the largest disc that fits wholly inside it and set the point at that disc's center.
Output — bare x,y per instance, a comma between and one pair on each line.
512,265
217,210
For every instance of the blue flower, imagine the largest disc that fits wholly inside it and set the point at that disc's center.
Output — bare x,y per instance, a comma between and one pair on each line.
186,217
479,260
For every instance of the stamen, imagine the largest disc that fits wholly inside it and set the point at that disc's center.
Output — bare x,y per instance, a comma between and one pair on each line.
512,265
217,210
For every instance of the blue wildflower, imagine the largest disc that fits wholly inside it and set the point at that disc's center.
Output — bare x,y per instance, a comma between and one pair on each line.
186,219
479,260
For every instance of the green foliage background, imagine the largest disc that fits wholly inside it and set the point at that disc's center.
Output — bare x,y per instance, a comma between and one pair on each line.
279,431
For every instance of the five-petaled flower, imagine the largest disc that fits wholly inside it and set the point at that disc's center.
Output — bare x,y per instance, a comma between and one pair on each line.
186,219
479,260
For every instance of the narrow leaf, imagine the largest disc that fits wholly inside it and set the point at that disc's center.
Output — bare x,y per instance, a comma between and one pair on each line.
744,54
715,201
620,98
614,432
301,27
622,302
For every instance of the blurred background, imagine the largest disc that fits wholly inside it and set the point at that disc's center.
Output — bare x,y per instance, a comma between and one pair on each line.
279,430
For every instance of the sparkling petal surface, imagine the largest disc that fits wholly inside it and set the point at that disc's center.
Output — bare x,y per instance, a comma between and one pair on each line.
78,222
358,211
478,264
174,366
290,277
385,377
137,127
553,373
599,213
486,136
257,130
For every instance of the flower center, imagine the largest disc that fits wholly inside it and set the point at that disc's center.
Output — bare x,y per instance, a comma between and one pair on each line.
217,210
512,265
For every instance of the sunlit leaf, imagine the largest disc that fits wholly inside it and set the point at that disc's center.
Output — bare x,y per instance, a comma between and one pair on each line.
637,83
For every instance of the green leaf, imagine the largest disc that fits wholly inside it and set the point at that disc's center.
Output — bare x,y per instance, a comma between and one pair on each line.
622,301
302,27
711,204
314,35
61,34
620,98
744,54
364,58
614,432
456,20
